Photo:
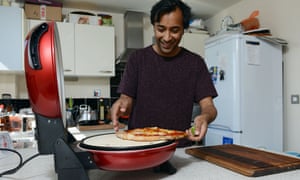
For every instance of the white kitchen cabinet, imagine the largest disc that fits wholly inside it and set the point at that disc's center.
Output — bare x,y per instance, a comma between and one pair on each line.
32,23
66,36
87,50
94,50
194,42
11,39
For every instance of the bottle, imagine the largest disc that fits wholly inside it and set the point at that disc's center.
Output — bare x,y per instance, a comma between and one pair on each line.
101,110
2,119
107,115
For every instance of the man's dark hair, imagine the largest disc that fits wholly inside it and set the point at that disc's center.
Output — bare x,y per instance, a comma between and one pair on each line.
166,6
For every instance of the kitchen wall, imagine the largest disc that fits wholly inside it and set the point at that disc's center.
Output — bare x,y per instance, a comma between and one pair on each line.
8,83
281,18
76,87
84,87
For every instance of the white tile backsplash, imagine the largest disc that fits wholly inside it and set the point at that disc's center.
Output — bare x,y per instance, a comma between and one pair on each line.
8,84
82,87
85,86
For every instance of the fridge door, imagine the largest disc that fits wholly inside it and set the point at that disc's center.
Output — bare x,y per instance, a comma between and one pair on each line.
222,60
217,136
247,74
261,94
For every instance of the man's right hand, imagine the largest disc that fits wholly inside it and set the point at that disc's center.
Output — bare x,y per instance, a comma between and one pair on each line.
122,107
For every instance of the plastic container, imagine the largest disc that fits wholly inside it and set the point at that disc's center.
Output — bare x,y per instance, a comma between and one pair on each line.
104,19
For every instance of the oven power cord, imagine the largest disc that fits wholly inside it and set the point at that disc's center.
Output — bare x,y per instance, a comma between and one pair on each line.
21,162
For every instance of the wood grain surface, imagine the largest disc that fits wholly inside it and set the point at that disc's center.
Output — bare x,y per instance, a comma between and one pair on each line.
245,160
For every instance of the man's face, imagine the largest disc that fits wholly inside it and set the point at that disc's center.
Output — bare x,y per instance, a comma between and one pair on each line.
168,33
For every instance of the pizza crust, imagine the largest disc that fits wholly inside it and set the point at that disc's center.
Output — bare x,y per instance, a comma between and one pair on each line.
128,136
150,134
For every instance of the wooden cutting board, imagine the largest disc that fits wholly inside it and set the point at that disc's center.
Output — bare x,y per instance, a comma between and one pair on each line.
244,160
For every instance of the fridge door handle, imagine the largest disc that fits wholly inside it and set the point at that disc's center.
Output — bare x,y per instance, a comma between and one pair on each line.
223,128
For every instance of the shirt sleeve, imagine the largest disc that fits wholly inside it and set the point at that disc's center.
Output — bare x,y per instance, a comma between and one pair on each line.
204,85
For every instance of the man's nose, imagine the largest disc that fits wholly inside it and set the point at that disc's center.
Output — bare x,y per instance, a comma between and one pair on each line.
167,36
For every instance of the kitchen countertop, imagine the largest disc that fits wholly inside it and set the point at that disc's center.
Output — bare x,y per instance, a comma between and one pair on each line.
42,168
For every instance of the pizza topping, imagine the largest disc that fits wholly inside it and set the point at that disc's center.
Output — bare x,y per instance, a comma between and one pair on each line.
151,134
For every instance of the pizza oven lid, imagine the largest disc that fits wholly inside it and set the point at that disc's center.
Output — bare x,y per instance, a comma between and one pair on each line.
44,71
110,142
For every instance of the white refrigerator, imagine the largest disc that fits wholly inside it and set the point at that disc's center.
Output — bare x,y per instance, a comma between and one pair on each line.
247,73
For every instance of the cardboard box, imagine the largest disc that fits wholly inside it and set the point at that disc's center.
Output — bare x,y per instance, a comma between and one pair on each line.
43,12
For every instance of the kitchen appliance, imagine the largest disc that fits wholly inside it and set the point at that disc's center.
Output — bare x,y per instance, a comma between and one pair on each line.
134,34
45,84
87,116
247,73
112,153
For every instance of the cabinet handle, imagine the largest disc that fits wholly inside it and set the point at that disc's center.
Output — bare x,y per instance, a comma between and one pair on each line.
67,70
105,71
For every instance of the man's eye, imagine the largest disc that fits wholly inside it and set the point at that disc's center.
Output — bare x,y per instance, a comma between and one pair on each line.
160,29
175,30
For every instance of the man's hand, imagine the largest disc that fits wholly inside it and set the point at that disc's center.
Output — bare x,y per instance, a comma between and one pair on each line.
208,114
122,107
198,131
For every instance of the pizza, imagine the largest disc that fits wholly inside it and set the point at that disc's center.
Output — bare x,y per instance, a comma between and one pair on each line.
150,134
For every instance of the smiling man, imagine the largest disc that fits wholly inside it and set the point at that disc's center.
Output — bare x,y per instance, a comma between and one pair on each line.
162,81
168,32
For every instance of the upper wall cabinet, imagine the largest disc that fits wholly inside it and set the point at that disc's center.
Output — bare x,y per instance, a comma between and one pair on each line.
194,42
66,36
11,38
87,50
94,50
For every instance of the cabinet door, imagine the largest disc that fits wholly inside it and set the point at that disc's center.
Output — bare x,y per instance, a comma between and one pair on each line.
194,42
66,36
33,23
11,39
94,50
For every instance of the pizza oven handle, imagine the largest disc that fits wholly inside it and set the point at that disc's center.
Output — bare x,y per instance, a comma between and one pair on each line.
34,45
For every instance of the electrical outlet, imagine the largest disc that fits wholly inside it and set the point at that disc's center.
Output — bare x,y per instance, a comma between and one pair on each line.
295,98
97,92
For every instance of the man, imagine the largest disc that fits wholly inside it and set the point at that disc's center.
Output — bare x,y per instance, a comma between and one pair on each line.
162,81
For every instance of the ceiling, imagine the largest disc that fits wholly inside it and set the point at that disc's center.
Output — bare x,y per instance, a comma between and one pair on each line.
200,8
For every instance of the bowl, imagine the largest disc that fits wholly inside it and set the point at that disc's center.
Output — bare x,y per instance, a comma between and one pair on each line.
112,153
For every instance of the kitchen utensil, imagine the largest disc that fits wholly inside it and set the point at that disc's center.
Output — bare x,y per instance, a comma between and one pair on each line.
112,153
85,112
245,160
87,116
69,118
